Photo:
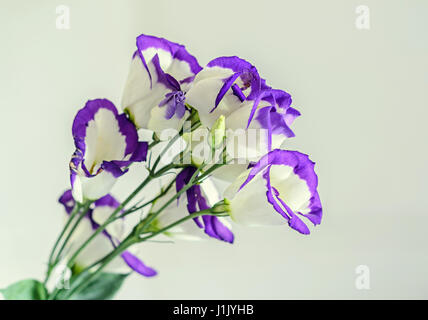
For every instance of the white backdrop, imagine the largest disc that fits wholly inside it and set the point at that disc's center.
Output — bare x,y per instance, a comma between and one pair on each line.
362,94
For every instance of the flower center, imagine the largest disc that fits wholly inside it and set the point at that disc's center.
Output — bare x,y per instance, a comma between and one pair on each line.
175,104
246,78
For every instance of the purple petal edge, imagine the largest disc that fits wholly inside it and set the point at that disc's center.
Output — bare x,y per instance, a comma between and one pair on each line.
303,167
137,265
213,227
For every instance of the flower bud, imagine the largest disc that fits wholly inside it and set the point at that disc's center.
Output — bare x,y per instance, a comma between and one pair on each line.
218,132
221,207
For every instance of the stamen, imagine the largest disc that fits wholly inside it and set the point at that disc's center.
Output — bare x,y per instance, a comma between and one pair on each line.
175,104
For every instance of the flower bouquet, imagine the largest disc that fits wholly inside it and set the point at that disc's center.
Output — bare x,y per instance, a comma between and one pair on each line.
211,141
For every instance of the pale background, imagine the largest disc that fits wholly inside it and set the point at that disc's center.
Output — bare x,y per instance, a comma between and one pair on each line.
363,99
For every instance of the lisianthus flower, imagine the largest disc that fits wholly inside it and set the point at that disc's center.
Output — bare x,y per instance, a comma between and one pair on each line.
197,198
106,144
160,75
106,241
258,118
290,184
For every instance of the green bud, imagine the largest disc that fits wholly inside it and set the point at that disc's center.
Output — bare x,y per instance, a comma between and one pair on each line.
221,207
218,132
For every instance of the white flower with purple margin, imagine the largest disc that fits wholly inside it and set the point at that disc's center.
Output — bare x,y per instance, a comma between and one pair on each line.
291,192
197,198
160,74
106,144
258,118
106,241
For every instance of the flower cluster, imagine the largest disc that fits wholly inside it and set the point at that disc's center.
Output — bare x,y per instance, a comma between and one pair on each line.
216,152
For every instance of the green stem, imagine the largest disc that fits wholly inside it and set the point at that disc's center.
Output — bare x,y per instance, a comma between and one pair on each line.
206,212
58,257
170,143
122,247
145,223
130,241
85,208
136,208
73,213
110,219
153,216
152,144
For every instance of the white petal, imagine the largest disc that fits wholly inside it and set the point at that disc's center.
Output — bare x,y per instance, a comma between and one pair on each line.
95,187
187,230
104,141
251,143
139,95
158,122
233,188
203,93
210,191
99,247
229,172
292,190
200,149
179,69
137,85
213,73
165,58
249,206
77,190
100,215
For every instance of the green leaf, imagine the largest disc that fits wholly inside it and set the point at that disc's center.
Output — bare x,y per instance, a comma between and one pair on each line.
103,287
25,290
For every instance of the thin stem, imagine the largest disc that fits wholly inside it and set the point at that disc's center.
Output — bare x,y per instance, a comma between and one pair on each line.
85,208
132,240
110,219
170,143
153,143
73,213
132,210
176,196
206,212
136,208
122,247
214,166
194,126
208,172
